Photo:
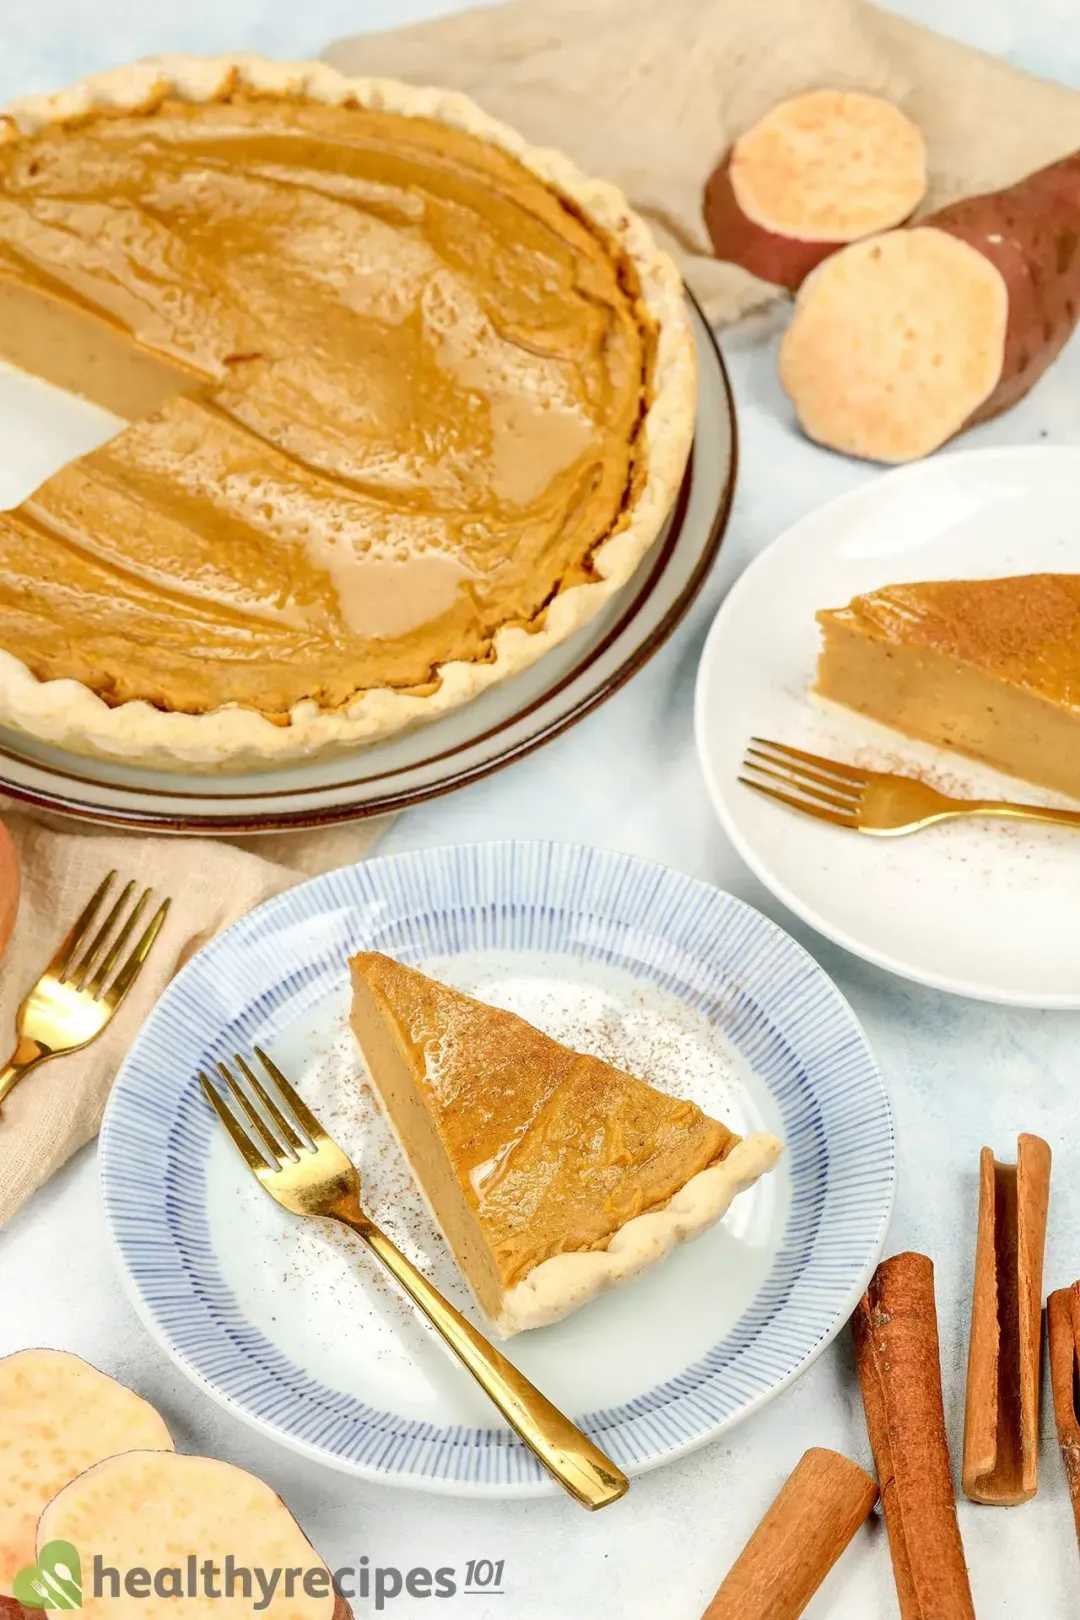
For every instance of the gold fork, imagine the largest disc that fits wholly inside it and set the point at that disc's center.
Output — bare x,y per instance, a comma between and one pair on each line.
303,1168
877,802
74,999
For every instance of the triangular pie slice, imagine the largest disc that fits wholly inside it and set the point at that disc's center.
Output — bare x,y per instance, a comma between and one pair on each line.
988,667
551,1174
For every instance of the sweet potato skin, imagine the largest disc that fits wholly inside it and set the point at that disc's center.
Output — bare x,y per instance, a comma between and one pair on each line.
1031,233
783,260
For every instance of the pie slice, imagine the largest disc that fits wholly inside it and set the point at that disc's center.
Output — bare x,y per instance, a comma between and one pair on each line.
552,1174
988,667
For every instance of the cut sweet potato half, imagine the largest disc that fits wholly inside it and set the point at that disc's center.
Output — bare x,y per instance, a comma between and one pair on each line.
58,1416
901,341
167,1517
895,344
816,173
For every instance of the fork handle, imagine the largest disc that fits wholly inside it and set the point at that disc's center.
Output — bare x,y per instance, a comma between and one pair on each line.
26,1056
1021,812
579,1466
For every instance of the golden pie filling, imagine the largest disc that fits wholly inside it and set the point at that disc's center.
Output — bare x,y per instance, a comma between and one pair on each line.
987,667
385,389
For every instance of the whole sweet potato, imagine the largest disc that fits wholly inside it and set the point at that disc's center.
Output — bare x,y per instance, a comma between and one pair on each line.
903,340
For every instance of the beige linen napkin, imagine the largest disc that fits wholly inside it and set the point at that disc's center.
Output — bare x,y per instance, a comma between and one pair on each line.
651,93
58,1108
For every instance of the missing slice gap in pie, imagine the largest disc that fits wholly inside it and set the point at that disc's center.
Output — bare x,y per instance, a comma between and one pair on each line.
407,401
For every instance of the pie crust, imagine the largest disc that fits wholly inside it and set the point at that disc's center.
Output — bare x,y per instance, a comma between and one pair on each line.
67,713
565,1282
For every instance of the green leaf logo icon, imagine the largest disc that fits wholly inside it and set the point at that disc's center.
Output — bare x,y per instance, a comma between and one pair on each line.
54,1582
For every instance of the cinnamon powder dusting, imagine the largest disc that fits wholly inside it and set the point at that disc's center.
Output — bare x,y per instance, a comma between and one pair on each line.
1024,629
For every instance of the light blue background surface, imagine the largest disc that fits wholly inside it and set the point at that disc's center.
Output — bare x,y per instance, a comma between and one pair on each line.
961,1074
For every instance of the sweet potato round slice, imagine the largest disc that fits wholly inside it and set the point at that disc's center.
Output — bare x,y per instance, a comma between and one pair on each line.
58,1416
154,1511
895,344
818,172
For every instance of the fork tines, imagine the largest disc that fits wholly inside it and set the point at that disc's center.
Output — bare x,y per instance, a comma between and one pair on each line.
270,1135
819,787
72,968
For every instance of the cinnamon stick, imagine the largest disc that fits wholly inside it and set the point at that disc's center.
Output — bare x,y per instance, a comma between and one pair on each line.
896,1348
817,1512
1063,1324
1001,1428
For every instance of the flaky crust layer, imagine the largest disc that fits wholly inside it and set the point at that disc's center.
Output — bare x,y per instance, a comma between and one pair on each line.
70,715
558,1286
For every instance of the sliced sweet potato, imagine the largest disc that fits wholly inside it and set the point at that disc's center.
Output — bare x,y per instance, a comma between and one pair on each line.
58,1416
901,341
153,1512
817,172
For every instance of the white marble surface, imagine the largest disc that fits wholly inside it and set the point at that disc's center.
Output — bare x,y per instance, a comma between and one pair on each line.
960,1073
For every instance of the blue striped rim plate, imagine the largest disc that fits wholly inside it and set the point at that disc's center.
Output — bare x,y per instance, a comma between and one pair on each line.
289,1324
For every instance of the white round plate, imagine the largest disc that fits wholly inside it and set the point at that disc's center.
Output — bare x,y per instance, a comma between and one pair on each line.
41,428
981,908
291,1325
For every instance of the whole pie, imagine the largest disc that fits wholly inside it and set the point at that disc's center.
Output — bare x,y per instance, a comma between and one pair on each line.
988,667
552,1174
406,400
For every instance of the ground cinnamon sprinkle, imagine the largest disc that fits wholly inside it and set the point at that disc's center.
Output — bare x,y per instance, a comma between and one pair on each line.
1026,628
